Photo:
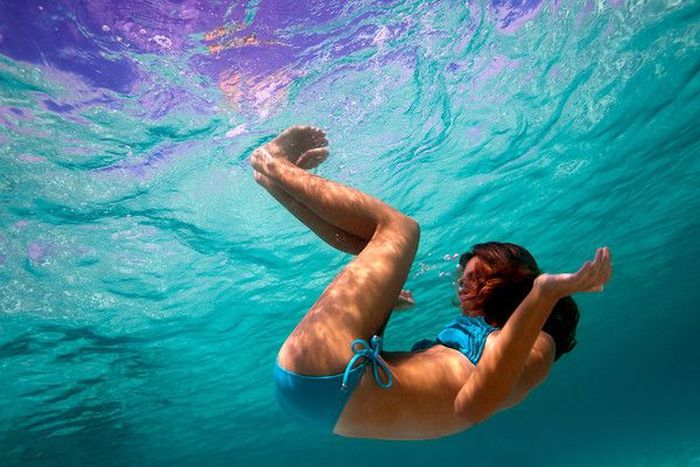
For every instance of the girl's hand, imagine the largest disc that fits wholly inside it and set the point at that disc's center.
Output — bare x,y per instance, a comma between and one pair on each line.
592,276
404,300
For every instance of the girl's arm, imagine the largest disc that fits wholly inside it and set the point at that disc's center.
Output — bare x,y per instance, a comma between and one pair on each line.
502,365
537,366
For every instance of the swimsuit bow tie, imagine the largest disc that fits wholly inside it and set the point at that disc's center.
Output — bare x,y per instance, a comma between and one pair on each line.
362,349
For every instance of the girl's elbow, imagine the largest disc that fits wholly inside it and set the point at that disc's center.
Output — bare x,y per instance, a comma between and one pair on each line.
477,409
477,416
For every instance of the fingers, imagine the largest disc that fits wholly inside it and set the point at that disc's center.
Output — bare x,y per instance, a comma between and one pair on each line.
607,271
598,261
602,260
598,256
601,269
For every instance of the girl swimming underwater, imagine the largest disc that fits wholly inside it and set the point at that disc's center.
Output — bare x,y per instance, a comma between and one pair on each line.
515,321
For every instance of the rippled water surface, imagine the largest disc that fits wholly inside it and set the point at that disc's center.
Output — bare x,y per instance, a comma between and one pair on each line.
146,281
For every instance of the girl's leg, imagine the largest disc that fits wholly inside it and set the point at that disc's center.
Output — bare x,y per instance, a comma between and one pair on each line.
335,237
332,235
359,300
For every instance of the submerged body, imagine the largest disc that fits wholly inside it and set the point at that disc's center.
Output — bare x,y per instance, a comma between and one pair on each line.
423,376
332,372
420,402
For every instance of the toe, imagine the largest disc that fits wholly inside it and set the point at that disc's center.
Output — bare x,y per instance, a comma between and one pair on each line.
312,158
319,137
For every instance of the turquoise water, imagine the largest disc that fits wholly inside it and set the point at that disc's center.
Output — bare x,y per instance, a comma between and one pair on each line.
146,282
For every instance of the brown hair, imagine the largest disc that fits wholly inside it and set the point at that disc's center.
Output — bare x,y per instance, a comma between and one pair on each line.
501,280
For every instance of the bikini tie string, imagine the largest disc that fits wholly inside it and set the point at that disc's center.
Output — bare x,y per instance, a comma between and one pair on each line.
369,351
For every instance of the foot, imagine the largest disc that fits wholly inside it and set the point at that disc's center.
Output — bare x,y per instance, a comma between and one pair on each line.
404,301
303,146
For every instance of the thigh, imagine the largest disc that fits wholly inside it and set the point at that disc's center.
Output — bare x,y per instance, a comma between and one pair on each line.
355,304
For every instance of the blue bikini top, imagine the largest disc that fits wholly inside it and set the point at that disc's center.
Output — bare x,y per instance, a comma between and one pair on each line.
467,334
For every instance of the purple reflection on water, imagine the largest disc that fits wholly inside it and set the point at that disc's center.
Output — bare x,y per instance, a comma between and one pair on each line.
3,258
239,130
9,115
496,66
21,114
35,251
255,62
93,39
47,31
161,100
554,72
43,32
253,50
56,107
72,111
31,159
474,132
141,167
588,9
514,13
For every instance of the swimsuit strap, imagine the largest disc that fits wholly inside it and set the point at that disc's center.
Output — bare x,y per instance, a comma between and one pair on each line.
369,351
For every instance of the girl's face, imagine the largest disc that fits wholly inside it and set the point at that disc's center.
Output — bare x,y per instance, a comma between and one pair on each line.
464,277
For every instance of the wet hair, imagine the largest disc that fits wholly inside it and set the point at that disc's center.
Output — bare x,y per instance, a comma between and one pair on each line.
501,280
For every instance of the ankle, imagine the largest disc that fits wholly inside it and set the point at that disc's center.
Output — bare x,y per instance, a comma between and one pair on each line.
276,166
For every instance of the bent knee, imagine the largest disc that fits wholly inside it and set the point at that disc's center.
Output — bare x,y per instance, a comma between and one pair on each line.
412,229
403,226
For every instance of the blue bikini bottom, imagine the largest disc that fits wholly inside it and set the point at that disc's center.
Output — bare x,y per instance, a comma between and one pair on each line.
318,401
